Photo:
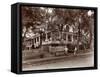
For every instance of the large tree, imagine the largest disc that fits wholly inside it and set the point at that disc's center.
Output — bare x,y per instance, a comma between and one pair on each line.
56,18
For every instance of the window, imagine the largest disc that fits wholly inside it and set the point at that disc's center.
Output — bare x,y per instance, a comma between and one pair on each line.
70,38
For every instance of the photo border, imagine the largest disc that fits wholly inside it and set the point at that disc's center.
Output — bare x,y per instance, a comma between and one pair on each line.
19,38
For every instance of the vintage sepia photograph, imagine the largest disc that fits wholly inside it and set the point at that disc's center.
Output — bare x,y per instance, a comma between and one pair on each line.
56,38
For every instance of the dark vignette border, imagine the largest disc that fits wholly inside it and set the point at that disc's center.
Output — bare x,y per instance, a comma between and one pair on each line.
55,6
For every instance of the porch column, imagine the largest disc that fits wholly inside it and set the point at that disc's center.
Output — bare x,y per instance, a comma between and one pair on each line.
66,38
46,37
72,38
39,39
